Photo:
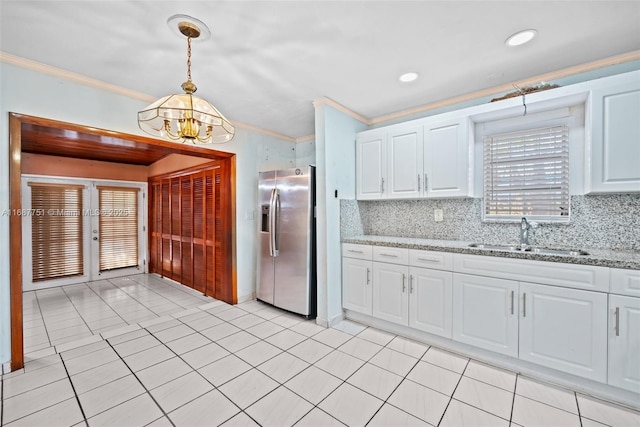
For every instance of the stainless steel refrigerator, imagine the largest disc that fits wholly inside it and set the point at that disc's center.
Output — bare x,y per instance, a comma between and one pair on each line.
287,254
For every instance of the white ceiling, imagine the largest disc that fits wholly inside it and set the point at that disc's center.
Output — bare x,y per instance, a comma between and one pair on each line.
268,60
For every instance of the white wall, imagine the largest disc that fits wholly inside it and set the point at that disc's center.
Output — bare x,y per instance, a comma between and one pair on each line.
34,93
335,160
306,153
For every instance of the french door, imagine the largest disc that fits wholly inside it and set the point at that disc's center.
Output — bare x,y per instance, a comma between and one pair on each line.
76,230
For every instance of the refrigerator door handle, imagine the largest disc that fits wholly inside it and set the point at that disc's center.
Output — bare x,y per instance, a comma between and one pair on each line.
276,222
271,222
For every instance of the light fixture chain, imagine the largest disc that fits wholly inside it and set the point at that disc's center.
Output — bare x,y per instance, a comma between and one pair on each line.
189,58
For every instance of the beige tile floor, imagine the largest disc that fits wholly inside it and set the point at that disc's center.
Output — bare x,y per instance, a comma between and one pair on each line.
207,363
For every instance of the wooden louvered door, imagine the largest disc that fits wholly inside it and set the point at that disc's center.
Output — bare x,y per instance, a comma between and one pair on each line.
189,236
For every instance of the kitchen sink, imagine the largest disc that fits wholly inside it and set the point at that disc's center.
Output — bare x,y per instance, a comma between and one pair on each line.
545,251
541,251
495,247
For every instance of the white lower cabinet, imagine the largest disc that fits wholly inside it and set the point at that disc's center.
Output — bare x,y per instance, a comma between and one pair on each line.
564,329
559,327
430,300
356,285
485,313
390,301
624,342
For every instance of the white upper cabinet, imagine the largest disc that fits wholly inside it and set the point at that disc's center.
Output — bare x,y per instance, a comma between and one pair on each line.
446,158
614,163
405,163
371,164
420,159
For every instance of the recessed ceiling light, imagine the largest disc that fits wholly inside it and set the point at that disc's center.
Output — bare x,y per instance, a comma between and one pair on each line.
521,37
408,77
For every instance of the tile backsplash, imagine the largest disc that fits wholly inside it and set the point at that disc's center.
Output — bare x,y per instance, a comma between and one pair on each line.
599,221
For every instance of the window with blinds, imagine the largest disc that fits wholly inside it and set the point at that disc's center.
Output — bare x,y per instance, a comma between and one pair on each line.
118,227
56,231
526,173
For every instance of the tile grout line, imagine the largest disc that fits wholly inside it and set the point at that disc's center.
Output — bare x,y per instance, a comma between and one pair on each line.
84,416
46,330
575,395
2,400
513,400
147,391
193,370
77,311
454,390
107,304
145,285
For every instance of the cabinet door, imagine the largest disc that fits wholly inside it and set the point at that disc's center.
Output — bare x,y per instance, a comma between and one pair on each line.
371,165
615,145
356,285
564,329
390,300
485,313
624,343
405,163
430,300
446,159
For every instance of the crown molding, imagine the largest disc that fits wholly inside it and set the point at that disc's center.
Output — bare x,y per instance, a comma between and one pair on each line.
589,66
108,87
263,131
75,77
577,69
306,138
330,102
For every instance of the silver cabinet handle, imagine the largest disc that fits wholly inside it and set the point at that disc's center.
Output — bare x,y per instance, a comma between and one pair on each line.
354,251
411,283
617,313
524,304
428,259
388,255
404,282
368,279
418,182
381,185
512,292
425,183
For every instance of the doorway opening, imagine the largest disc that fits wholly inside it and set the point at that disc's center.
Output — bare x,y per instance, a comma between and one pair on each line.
33,135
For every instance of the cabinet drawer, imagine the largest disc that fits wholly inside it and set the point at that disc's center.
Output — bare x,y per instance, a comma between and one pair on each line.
351,250
391,255
576,276
431,259
625,282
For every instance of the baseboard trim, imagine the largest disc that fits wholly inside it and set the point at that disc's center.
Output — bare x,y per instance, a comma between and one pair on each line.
247,297
538,372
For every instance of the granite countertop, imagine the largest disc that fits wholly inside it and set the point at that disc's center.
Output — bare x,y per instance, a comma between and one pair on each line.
599,257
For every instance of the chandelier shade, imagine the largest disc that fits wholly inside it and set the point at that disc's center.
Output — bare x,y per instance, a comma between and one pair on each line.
185,117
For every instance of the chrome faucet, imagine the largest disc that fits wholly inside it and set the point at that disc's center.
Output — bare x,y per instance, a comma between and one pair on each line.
525,226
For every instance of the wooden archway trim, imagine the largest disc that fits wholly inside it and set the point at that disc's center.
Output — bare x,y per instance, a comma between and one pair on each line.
73,140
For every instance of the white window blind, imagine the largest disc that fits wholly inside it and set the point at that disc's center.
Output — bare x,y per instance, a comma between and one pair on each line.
118,226
526,173
56,231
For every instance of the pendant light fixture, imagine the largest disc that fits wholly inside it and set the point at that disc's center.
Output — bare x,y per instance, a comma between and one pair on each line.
185,117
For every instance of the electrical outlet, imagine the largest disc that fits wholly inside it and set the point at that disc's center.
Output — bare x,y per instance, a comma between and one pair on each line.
438,215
